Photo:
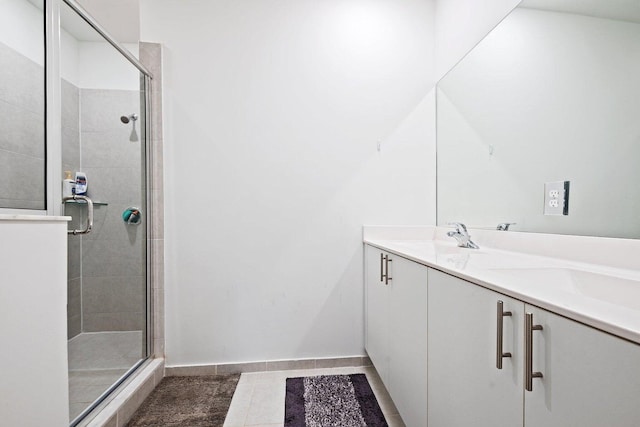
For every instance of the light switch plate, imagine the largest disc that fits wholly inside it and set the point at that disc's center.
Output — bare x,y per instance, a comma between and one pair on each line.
556,198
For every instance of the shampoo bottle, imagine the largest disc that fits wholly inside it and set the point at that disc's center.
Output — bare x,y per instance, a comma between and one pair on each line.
68,183
81,183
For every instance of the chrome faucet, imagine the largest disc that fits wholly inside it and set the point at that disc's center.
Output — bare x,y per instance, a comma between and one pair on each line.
504,226
462,236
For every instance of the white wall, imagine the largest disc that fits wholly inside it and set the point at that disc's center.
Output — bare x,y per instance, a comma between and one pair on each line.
69,58
101,66
22,28
33,331
97,65
273,111
121,18
461,24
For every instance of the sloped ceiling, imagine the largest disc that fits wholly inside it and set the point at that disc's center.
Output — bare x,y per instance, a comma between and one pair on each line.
121,18
621,10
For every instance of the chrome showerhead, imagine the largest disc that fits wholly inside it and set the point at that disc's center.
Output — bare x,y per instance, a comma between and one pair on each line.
127,119
131,118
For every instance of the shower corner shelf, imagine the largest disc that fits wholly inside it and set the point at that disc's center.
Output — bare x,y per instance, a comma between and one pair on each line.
80,202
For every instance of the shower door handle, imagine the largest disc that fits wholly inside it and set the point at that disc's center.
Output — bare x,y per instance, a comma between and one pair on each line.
89,202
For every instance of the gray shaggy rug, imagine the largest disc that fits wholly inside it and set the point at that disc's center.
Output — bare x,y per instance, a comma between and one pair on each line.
330,401
200,401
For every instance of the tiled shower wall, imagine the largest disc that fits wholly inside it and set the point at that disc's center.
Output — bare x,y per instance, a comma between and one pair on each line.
113,257
109,291
21,131
151,57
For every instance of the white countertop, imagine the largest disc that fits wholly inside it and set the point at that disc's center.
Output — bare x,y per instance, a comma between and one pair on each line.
600,296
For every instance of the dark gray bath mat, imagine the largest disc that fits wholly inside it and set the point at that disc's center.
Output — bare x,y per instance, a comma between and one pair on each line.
332,400
187,401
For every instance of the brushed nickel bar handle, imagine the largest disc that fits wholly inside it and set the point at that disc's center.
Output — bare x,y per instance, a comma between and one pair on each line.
89,202
500,332
386,276
381,266
529,375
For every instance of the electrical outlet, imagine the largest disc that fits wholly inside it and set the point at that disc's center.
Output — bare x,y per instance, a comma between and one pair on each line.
556,198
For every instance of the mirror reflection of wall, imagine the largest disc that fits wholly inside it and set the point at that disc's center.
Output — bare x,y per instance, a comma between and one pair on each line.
548,95
22,105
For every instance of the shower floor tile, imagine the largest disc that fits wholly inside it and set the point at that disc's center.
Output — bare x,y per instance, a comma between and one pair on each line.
96,361
105,350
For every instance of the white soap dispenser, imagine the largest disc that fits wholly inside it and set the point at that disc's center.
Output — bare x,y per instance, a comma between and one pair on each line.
68,184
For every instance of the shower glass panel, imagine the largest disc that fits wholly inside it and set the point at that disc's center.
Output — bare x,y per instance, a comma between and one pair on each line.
22,105
103,136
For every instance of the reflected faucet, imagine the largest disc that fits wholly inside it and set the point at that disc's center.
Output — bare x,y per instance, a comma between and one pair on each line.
462,236
504,226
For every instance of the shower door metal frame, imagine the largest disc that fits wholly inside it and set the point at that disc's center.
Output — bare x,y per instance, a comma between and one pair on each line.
54,157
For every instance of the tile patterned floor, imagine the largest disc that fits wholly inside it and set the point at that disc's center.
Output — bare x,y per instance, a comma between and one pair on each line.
96,361
259,397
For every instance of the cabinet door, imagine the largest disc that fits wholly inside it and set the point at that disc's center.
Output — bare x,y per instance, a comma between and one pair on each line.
377,313
590,378
464,385
408,340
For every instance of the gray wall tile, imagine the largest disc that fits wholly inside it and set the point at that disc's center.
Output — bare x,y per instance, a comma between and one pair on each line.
70,105
70,150
101,109
111,149
113,254
338,362
113,294
103,257
236,368
74,307
151,57
190,371
108,224
21,177
21,83
285,365
21,131
73,257
98,322
115,184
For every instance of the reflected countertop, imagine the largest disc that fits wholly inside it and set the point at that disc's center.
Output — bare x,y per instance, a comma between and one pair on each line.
603,297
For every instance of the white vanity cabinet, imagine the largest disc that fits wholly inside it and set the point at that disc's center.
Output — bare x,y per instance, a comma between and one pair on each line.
465,386
396,330
377,311
589,378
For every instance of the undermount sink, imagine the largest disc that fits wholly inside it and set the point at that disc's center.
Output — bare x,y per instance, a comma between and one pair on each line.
611,289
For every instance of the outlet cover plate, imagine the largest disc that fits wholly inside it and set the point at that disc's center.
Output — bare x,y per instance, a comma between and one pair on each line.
556,198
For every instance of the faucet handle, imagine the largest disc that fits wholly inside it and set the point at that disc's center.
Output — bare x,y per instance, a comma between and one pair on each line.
504,226
460,227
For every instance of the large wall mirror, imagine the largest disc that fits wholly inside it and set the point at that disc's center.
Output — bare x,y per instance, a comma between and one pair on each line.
551,94
22,105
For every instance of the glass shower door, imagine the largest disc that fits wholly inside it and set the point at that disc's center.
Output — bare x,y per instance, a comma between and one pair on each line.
104,139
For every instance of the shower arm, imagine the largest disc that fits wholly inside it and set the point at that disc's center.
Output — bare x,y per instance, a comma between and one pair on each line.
89,202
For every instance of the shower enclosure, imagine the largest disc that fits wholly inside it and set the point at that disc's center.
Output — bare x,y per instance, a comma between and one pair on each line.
90,120
104,135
